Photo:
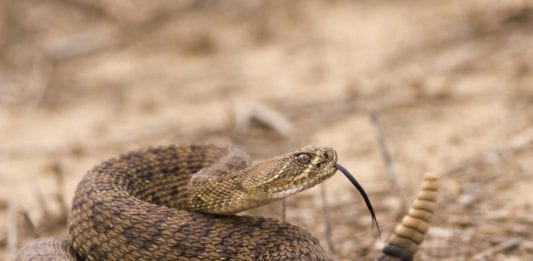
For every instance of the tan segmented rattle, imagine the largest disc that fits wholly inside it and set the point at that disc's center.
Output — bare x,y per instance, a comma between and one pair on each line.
405,241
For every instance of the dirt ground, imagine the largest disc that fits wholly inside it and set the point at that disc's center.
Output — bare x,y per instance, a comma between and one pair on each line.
451,81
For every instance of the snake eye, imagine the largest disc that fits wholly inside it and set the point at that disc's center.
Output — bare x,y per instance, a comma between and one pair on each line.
303,158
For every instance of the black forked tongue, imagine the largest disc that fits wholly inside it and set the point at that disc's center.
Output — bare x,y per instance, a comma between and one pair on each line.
363,194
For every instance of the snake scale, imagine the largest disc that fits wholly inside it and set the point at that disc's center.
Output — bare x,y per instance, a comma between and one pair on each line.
176,203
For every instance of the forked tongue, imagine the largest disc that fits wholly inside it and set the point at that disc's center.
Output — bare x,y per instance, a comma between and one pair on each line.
363,194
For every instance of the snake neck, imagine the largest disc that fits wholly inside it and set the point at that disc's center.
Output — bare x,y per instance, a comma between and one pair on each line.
220,197
222,192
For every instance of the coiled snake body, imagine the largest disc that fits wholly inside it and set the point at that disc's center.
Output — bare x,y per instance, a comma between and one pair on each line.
174,203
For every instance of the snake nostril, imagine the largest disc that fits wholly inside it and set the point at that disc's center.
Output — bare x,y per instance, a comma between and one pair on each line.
329,155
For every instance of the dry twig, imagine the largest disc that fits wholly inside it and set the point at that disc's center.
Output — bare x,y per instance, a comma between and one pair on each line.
247,113
58,174
327,218
503,246
387,159
42,203
3,238
520,142
29,222
12,227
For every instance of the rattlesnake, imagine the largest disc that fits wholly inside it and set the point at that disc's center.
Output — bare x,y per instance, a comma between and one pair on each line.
174,203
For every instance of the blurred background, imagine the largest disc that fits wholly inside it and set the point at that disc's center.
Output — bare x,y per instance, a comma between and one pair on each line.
449,84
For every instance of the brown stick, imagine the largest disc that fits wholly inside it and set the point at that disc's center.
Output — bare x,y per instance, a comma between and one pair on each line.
29,222
503,246
327,218
3,238
12,227
42,203
58,173
387,159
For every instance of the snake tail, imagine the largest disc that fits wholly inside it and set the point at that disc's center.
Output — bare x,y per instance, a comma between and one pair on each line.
408,236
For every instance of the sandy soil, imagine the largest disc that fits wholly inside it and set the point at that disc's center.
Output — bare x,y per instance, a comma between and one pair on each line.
82,81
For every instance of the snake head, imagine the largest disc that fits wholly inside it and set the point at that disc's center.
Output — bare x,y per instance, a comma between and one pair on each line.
293,172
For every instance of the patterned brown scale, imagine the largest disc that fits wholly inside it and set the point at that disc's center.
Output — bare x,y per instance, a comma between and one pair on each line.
146,205
408,236
142,206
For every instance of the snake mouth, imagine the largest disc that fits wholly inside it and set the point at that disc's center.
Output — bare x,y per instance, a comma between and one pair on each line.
328,170
290,191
